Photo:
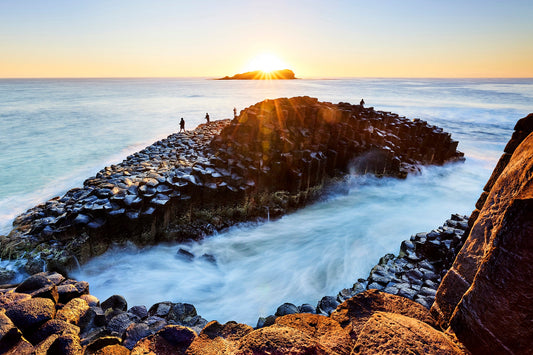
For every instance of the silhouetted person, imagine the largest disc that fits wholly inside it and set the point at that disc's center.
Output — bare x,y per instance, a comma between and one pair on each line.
207,117
362,102
182,125
234,112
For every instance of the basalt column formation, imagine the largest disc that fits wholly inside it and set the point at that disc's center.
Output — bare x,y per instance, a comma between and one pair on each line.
276,155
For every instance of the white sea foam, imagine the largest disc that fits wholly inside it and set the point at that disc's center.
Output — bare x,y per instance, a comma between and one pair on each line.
303,256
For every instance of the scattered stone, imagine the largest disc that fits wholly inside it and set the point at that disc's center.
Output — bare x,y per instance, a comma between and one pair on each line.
286,308
115,302
171,339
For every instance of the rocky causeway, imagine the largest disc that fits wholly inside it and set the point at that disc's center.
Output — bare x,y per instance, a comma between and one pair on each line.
279,154
460,288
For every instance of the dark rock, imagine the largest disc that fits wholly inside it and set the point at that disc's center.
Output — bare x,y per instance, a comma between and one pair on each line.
306,308
53,326
6,275
139,311
67,344
182,313
31,313
21,347
72,289
160,309
134,333
9,333
286,308
115,302
172,339
118,324
185,254
327,305
265,322
209,258
38,285
102,342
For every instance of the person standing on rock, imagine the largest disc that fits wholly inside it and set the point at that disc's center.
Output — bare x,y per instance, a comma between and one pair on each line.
234,112
207,117
182,125
362,102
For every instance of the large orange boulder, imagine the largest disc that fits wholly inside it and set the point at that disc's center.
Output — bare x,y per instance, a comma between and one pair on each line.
355,312
389,333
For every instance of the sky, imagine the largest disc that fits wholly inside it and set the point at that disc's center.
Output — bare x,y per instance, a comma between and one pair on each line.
316,39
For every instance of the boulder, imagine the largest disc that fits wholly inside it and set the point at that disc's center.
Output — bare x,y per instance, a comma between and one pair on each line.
216,338
10,335
115,302
170,340
353,313
31,313
279,340
326,331
390,333
74,312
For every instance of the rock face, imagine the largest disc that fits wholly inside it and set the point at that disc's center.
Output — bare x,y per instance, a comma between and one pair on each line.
284,74
276,155
486,297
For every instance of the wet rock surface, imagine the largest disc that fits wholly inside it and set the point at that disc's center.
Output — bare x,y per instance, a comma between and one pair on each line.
276,156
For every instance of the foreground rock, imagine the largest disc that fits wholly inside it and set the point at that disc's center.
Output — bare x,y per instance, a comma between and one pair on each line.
370,320
487,296
274,157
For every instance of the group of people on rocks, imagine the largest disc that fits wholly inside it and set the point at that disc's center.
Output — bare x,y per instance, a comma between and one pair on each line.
182,121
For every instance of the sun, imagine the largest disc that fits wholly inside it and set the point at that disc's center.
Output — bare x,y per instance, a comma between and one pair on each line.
266,62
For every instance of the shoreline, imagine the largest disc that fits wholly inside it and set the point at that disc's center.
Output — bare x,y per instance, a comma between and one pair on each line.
415,273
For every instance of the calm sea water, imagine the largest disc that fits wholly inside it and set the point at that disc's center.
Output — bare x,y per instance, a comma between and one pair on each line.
56,133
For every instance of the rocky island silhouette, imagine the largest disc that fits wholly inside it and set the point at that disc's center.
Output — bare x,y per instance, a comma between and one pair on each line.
283,74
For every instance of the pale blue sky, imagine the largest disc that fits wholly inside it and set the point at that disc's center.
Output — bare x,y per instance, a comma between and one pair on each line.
315,38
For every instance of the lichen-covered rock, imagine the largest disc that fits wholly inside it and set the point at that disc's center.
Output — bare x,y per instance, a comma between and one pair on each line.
279,340
217,339
390,333
326,331
353,313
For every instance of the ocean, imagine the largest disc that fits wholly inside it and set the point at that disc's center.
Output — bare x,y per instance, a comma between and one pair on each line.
57,132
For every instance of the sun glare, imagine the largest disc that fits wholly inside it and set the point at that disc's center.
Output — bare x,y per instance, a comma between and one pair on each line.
267,62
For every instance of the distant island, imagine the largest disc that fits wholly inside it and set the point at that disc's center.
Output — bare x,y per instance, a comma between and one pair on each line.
283,74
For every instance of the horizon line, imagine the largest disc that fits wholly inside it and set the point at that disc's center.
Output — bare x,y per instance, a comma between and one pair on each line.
301,78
